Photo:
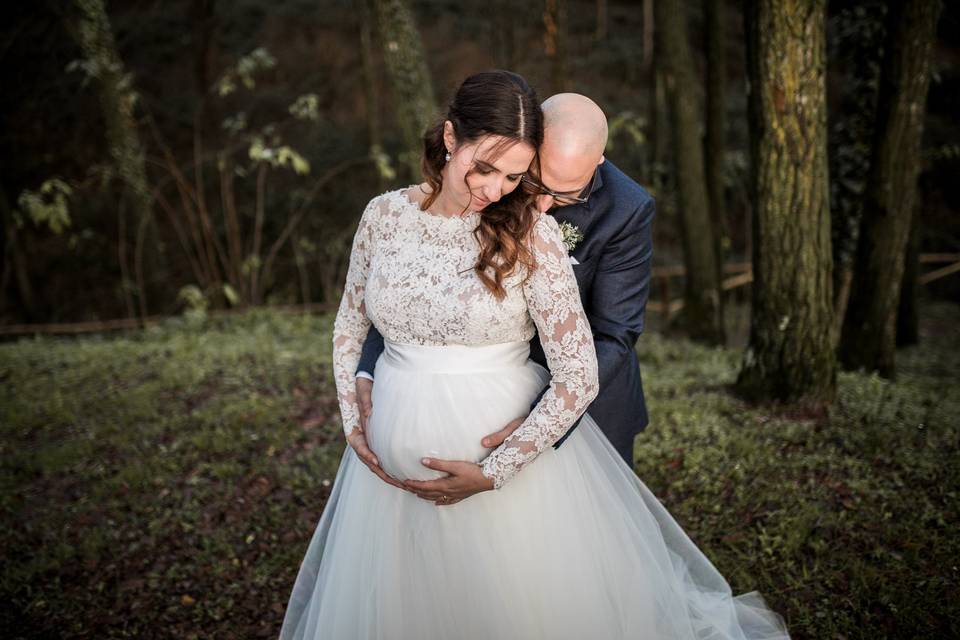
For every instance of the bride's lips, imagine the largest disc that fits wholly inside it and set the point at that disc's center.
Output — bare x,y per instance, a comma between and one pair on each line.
481,202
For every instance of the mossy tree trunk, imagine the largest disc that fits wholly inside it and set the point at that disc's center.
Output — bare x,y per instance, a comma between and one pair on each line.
790,357
868,339
713,142
703,311
407,69
91,29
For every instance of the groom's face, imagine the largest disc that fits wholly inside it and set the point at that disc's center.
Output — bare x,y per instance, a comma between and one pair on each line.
567,178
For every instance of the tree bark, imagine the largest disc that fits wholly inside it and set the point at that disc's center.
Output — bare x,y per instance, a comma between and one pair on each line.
15,264
370,93
601,32
407,69
117,101
703,305
650,74
790,357
555,43
505,29
714,147
908,319
868,339
855,50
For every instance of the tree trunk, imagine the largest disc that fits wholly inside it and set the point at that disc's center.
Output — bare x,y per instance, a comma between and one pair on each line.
601,32
117,101
505,28
370,93
908,320
650,75
407,68
790,357
703,310
855,49
868,339
555,43
15,264
714,147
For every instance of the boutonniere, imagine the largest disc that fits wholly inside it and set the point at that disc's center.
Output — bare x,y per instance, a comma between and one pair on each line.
571,235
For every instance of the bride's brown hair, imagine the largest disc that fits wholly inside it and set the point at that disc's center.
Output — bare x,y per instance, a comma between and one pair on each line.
497,103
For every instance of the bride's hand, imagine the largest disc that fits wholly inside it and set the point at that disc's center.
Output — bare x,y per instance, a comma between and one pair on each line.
463,480
358,440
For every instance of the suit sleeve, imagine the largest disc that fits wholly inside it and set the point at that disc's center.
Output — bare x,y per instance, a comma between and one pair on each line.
372,348
618,299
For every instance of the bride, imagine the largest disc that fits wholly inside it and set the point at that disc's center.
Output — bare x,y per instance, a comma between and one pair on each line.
458,274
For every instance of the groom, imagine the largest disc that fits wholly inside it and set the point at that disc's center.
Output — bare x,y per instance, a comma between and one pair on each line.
612,266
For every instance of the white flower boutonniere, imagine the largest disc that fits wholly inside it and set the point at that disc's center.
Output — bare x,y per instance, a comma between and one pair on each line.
571,235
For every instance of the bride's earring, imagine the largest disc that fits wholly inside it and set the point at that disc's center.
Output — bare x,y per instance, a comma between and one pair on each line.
447,157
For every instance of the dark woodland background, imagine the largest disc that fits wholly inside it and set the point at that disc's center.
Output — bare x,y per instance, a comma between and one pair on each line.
180,182
177,55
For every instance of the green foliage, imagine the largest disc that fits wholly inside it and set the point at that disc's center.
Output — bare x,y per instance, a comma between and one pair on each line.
244,71
46,206
165,483
629,125
281,156
306,107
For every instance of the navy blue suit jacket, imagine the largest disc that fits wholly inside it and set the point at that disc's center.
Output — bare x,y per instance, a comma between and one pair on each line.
613,274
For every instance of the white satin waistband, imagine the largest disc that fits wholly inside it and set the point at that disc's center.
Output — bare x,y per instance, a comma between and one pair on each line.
456,358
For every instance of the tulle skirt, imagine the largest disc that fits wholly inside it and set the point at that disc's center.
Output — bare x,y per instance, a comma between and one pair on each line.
574,546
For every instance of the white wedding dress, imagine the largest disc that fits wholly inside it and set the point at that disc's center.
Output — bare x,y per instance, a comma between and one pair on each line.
570,544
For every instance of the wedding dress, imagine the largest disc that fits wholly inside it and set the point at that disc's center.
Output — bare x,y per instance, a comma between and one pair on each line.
571,544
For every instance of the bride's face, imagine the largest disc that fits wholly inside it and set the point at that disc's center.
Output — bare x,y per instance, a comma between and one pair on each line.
485,170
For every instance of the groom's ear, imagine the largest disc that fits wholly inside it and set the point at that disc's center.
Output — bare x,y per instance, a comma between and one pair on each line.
602,159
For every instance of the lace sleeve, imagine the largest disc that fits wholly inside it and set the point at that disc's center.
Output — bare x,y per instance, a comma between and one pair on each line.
554,303
351,324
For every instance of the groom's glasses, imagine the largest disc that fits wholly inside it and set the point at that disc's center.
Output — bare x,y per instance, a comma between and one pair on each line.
533,187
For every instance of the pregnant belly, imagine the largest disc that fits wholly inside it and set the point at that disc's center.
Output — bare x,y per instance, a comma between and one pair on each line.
442,415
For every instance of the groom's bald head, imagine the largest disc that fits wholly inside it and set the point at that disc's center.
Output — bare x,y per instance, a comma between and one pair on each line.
574,126
574,137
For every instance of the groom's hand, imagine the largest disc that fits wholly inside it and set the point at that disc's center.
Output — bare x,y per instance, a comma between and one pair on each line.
464,479
364,399
496,439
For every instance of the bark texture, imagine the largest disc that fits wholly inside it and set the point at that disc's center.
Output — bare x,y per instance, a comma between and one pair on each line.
702,313
407,69
790,357
713,142
868,339
855,40
555,43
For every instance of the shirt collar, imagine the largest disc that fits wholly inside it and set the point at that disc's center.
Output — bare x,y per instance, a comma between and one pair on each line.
596,186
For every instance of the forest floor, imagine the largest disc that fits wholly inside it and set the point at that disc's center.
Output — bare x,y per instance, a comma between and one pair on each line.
165,483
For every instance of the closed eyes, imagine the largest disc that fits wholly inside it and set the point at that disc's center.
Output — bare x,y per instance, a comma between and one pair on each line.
485,169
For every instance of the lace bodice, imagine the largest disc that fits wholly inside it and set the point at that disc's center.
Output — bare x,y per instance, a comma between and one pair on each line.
411,273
